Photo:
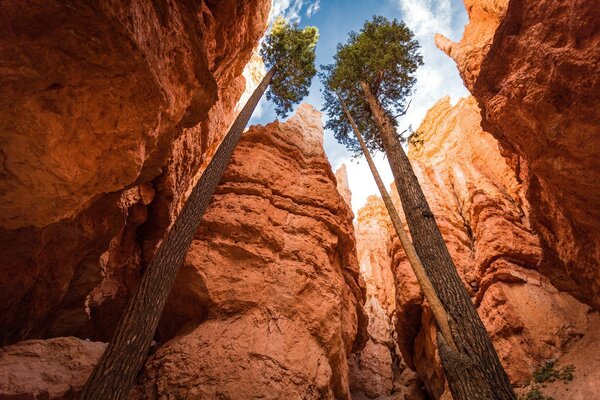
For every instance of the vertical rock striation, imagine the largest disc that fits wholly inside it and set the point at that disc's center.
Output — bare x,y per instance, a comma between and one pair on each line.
536,80
269,301
484,217
372,370
108,113
379,371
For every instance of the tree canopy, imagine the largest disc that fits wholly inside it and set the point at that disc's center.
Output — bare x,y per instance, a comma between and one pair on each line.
385,55
291,50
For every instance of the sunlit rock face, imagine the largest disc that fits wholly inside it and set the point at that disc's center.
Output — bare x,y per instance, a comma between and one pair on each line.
470,51
341,176
269,302
378,369
107,115
484,217
536,80
372,369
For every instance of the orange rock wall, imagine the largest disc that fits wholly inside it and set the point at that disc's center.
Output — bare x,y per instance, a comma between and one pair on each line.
484,216
107,115
379,369
47,369
269,301
536,81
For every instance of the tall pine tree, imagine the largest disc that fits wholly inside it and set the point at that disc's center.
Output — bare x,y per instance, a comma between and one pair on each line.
374,73
289,52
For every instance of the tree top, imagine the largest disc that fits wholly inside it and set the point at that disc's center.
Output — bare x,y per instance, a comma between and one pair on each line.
291,50
384,55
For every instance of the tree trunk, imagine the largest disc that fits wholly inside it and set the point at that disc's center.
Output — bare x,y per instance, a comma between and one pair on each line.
115,373
475,371
437,308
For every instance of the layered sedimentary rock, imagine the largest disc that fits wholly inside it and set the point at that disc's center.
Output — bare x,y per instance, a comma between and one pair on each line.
484,217
378,370
373,368
536,80
269,302
108,113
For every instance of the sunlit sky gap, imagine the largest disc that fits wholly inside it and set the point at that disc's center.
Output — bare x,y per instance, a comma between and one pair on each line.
437,78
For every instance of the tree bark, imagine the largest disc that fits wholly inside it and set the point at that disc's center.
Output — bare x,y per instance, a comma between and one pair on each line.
437,308
474,372
115,373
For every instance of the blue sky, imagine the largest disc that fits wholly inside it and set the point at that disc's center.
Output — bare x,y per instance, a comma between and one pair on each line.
437,78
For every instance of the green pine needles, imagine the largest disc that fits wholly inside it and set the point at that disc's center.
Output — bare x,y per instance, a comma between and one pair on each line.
291,50
385,55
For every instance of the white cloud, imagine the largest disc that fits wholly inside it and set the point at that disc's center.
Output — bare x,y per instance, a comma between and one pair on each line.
292,9
313,8
360,179
437,78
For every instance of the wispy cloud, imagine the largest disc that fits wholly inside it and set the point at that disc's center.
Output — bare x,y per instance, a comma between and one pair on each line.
294,10
436,79
427,17
313,8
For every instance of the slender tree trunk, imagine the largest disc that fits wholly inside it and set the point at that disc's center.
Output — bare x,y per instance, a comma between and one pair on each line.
475,372
437,308
115,373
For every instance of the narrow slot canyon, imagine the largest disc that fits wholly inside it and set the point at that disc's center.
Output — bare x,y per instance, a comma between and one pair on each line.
295,285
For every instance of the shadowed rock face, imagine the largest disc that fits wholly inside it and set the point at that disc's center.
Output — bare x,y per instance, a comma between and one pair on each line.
47,369
484,217
536,81
108,112
269,302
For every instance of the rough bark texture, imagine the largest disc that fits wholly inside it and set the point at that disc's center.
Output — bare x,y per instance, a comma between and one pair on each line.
379,370
96,162
431,296
538,88
115,373
475,371
483,215
271,280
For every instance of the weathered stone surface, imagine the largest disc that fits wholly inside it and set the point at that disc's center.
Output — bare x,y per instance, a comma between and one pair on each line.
47,369
378,370
584,356
536,81
341,176
483,215
372,241
469,53
269,302
108,114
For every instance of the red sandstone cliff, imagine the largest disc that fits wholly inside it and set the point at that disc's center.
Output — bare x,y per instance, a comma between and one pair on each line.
378,371
535,77
484,217
109,110
269,301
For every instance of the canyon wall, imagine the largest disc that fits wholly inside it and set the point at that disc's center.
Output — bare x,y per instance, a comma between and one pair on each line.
379,371
269,301
484,216
109,112
533,68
